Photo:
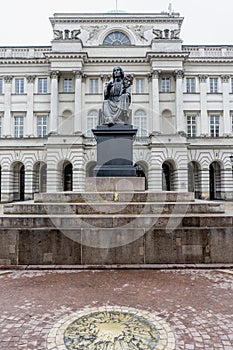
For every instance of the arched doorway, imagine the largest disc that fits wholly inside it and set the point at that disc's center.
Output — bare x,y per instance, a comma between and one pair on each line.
90,169
67,176
40,177
142,171
168,176
215,181
18,181
194,179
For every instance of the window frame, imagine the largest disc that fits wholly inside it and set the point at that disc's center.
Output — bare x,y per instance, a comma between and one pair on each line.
1,86
214,85
92,122
19,86
19,127
140,85
43,127
214,127
67,85
140,121
42,86
166,84
190,85
93,85
191,124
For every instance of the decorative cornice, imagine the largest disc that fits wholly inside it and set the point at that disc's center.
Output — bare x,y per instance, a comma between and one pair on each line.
118,60
181,55
23,61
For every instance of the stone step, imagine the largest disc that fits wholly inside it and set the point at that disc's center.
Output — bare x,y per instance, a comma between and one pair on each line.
90,197
145,221
95,246
113,208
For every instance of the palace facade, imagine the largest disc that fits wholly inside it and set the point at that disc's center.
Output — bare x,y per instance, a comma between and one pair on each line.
182,105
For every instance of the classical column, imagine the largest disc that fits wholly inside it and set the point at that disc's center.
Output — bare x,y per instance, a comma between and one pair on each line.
180,127
227,126
7,106
29,119
78,102
155,101
204,124
54,102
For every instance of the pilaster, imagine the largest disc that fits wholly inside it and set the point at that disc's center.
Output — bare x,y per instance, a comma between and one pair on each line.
30,121
54,102
204,124
227,128
155,101
7,106
179,74
78,101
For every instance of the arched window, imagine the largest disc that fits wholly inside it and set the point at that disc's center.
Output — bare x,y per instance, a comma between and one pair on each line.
92,121
140,122
117,38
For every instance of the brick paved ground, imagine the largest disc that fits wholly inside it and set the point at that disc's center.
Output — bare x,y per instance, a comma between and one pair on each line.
196,304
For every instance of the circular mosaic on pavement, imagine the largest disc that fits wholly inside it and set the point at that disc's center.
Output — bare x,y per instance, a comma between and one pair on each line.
111,328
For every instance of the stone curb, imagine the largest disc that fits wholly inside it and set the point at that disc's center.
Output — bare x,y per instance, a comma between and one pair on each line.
118,267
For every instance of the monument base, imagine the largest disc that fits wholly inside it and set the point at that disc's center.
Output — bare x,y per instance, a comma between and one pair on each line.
114,150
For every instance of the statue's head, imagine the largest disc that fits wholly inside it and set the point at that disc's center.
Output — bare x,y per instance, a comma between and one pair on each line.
117,71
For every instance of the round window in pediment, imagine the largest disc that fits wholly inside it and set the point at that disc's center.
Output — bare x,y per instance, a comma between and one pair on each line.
117,38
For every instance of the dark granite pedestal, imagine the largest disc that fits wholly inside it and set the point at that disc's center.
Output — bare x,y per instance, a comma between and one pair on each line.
114,150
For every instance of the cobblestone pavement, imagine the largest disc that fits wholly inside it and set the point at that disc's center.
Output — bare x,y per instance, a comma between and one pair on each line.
197,305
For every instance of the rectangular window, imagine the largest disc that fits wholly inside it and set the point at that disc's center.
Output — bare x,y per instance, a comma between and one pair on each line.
92,122
190,85
232,123
42,86
140,122
165,85
191,125
140,86
232,85
19,86
94,86
213,85
1,86
41,126
214,125
19,126
68,85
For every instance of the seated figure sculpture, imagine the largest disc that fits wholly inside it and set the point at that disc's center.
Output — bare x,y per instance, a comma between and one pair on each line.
117,99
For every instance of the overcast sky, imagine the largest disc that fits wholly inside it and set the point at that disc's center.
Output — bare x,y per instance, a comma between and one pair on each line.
26,22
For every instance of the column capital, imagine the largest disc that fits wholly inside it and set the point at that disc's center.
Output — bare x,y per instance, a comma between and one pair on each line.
105,77
203,78
225,78
54,74
78,74
178,74
155,73
8,78
30,78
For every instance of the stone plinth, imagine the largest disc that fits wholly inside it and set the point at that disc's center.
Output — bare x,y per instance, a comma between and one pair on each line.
114,150
103,184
